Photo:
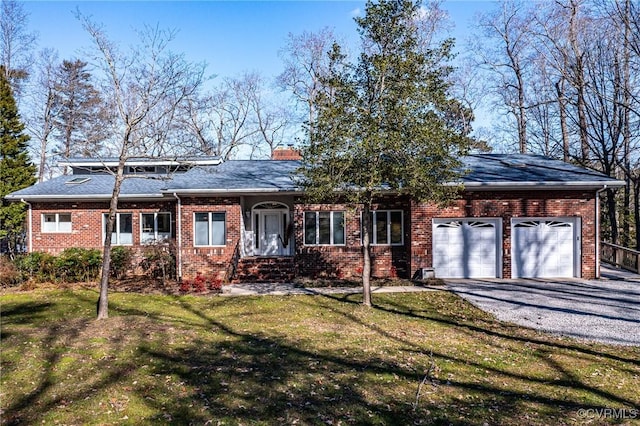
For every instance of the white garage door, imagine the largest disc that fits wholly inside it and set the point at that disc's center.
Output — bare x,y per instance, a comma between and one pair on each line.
466,248
545,248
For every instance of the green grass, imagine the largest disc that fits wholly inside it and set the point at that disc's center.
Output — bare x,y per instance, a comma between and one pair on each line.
296,360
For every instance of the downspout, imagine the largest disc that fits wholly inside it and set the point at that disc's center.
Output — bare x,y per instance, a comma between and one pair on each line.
179,236
604,188
29,226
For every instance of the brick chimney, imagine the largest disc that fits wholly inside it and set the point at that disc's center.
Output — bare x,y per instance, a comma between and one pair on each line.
286,153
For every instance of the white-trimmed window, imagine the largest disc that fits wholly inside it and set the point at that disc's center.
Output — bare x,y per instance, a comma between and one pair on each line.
122,229
56,222
324,228
387,227
155,227
210,229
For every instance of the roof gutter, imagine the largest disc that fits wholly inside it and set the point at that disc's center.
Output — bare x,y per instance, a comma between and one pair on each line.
247,191
597,220
90,197
179,236
29,226
545,185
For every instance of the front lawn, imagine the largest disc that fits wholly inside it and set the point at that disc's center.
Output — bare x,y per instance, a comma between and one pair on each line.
421,358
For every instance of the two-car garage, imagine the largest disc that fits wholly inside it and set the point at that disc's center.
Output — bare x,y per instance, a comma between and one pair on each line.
473,247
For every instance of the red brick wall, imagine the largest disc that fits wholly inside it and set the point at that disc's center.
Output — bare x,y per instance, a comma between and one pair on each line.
507,205
334,261
209,261
346,261
86,223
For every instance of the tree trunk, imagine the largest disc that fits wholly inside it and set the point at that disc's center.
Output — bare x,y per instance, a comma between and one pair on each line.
366,250
611,211
636,211
103,300
562,107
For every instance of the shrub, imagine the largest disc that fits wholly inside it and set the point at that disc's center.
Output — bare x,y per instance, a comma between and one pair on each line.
36,266
77,265
159,260
121,258
200,284
9,274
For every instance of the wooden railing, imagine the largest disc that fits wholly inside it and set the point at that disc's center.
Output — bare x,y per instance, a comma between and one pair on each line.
619,256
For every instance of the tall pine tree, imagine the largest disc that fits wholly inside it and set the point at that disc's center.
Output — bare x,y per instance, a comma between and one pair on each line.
16,170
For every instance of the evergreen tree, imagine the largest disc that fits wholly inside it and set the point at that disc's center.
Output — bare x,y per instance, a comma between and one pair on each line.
16,170
81,115
388,122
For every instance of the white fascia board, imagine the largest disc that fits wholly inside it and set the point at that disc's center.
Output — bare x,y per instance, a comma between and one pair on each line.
533,185
112,163
88,197
248,191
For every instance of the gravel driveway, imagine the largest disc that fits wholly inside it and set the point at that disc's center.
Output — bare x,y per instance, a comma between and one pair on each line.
605,310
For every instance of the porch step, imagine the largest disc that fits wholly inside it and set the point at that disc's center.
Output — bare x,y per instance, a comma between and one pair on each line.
271,269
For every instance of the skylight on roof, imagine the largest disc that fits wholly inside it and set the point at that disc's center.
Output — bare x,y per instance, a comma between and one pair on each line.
78,180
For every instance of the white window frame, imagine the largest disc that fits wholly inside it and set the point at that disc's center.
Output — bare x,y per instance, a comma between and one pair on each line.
57,223
210,229
331,223
374,225
116,237
157,236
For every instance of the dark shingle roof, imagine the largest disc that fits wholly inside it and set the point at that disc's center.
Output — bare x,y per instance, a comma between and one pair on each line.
238,176
485,171
99,186
522,170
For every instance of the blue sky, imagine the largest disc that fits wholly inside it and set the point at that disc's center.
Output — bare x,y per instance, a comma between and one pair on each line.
230,36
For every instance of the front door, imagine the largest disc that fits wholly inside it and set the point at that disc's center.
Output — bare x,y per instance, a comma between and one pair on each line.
271,233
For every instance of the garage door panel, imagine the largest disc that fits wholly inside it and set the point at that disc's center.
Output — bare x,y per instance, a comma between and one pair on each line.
544,248
465,248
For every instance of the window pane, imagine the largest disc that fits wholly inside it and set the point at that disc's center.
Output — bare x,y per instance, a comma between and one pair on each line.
338,228
147,223
310,228
396,227
126,228
381,228
164,223
324,227
202,229
48,223
218,229
64,224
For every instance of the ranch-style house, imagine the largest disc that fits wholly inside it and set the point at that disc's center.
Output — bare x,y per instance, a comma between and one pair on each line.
246,220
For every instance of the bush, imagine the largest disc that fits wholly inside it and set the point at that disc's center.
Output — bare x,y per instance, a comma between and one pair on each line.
121,258
77,265
36,266
72,265
159,259
9,274
201,283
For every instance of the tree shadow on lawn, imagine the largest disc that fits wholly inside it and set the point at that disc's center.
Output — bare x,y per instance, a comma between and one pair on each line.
239,376
16,311
274,386
566,378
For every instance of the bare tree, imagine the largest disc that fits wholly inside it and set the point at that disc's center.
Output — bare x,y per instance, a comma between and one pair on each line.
507,59
271,121
146,85
235,118
306,63
40,111
16,43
